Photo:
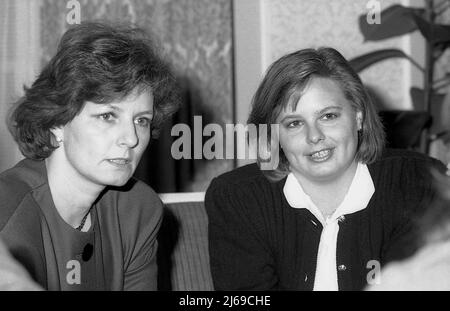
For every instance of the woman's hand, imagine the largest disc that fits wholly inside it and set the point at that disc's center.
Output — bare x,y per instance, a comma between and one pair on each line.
13,277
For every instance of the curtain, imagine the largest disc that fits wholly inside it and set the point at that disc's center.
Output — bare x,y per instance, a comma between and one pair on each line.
19,63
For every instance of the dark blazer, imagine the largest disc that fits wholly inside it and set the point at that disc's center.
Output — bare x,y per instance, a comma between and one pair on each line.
128,220
257,241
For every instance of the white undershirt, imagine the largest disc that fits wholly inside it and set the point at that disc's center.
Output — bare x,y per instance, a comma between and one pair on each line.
358,196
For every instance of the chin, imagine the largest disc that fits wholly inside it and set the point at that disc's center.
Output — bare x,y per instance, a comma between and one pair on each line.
324,175
114,181
117,183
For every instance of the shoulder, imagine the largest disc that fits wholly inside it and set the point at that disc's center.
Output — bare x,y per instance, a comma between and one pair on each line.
25,176
405,177
241,177
15,184
245,186
135,201
137,190
394,160
134,214
406,155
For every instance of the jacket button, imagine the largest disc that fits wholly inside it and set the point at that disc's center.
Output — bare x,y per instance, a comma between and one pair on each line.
342,268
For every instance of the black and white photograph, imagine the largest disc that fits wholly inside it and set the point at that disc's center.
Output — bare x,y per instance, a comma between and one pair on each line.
224,151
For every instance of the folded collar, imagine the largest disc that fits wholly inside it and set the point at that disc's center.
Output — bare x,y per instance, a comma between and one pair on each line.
358,195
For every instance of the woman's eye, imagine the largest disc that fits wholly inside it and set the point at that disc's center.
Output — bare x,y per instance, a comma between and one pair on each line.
329,116
108,116
294,124
144,122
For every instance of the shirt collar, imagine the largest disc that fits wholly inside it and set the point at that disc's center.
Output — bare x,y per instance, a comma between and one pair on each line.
358,195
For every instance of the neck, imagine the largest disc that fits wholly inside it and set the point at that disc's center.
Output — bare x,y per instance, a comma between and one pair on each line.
328,194
72,194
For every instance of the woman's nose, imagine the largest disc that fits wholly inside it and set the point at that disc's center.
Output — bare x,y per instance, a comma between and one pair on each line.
128,136
314,134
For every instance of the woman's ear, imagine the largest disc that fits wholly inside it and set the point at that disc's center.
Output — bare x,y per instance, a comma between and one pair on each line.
58,135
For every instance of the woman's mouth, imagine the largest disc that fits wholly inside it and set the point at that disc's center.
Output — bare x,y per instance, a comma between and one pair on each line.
321,155
119,161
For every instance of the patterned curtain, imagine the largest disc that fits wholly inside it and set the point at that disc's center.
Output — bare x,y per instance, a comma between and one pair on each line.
19,59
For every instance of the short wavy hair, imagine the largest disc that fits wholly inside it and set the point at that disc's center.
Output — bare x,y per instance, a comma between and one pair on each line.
97,62
284,82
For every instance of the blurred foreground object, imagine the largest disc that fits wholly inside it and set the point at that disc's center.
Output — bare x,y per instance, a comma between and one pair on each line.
12,276
429,268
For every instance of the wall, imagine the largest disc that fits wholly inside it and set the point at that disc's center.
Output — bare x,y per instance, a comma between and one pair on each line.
19,59
301,24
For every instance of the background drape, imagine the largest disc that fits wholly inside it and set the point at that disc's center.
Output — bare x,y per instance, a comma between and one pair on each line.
19,63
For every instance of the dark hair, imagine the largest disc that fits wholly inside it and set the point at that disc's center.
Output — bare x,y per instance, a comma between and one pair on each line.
94,62
284,82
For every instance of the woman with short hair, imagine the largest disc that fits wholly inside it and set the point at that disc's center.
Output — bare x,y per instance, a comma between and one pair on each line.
336,207
71,213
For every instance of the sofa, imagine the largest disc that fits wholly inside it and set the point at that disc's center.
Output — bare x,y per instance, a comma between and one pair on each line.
183,257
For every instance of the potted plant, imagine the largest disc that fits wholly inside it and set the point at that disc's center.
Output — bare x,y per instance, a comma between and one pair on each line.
428,101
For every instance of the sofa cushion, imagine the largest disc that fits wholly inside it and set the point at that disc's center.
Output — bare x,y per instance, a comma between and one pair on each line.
183,257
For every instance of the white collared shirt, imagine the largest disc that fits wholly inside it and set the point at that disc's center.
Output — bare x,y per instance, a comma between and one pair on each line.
358,196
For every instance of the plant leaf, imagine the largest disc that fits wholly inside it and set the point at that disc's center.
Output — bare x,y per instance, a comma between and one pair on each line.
395,20
361,62
436,34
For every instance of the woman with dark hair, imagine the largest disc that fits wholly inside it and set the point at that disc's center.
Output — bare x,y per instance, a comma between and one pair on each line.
336,206
71,213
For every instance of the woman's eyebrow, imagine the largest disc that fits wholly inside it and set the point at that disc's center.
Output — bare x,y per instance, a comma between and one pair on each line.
150,112
114,107
330,107
119,109
292,115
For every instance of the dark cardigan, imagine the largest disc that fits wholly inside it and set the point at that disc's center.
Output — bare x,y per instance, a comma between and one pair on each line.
257,241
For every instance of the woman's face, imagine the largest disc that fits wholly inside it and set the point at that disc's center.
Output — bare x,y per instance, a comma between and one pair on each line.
319,138
104,142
